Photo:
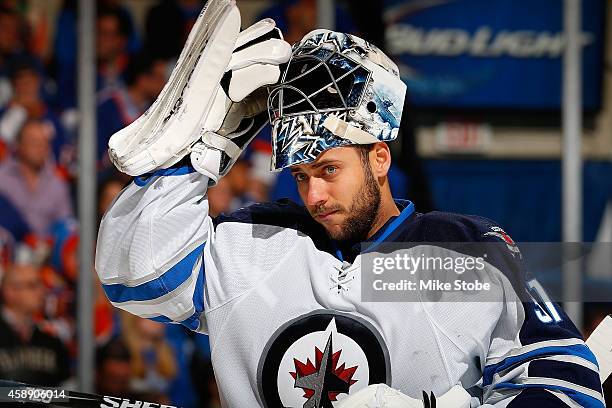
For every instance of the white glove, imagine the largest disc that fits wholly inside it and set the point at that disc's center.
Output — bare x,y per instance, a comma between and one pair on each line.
207,92
239,109
383,396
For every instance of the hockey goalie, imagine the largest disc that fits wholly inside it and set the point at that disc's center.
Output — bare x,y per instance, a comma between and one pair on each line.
277,286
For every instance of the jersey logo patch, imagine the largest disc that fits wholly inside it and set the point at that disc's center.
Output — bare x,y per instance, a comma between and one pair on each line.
501,234
320,358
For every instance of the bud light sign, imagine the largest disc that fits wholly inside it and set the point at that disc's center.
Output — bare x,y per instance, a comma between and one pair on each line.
491,53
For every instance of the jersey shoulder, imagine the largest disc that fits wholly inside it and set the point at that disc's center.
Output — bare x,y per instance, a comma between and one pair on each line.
469,234
283,213
438,226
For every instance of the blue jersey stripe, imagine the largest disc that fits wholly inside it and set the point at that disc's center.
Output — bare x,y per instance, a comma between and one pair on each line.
584,400
193,321
406,212
145,179
580,350
167,282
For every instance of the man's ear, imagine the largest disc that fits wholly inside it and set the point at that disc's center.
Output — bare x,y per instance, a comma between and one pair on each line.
380,157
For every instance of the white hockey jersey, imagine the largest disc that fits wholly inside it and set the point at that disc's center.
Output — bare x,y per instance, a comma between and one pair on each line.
282,305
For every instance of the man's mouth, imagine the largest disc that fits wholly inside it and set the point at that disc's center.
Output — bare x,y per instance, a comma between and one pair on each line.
326,215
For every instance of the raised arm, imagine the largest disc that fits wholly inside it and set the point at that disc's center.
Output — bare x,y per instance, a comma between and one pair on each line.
150,246
151,243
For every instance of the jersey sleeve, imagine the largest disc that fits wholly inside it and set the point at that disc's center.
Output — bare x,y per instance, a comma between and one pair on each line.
547,365
536,356
151,244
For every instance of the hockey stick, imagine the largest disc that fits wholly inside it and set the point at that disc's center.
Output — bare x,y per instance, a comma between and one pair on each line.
20,394
600,343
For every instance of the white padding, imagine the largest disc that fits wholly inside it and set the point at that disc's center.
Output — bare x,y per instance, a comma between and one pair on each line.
273,51
206,161
342,129
186,99
255,31
221,143
246,79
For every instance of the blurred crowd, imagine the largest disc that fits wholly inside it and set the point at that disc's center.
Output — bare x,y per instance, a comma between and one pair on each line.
39,233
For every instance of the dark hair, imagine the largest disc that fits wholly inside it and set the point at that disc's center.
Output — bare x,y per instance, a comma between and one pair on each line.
23,28
139,65
24,63
125,25
115,349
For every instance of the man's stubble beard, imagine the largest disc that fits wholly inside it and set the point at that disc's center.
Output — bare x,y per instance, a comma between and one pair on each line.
363,212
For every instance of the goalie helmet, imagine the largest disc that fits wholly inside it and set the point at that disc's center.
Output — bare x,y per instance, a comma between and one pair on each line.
336,90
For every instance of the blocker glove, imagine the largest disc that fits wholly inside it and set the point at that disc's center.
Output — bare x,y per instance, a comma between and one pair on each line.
207,98
239,109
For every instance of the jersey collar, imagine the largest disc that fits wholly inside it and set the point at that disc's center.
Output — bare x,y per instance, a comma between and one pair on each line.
350,251
391,225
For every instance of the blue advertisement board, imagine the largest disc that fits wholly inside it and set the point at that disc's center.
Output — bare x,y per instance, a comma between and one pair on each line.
491,53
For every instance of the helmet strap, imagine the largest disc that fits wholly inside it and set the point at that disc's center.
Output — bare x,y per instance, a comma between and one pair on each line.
344,130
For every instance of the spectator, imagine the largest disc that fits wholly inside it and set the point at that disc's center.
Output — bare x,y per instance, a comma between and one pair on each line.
27,102
259,153
13,229
12,221
153,361
12,44
59,276
220,197
168,25
105,318
202,373
7,248
116,36
296,18
113,369
106,321
113,32
29,182
145,77
127,19
110,186
27,353
63,66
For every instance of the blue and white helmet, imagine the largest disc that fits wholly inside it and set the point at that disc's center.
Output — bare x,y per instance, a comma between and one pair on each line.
336,90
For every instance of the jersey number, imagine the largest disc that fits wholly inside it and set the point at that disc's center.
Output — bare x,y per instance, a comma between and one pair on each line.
544,308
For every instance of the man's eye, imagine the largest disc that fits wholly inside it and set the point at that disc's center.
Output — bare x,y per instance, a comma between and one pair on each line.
330,170
299,177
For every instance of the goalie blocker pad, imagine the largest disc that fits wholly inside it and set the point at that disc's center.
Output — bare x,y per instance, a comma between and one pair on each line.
186,99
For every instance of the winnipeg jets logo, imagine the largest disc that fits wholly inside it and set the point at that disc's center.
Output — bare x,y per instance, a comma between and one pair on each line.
324,380
321,358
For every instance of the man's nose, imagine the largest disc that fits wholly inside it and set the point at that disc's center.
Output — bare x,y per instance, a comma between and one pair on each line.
317,192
